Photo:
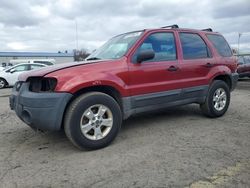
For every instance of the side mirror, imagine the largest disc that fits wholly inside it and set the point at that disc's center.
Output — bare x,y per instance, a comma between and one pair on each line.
12,71
145,55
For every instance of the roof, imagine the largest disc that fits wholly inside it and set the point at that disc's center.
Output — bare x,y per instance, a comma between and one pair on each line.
35,54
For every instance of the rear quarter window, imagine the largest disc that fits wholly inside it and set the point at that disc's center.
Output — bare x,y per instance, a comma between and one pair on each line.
220,45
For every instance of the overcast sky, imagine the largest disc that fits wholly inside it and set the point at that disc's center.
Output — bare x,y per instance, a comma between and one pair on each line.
44,25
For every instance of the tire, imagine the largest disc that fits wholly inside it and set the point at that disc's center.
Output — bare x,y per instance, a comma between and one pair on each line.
209,108
3,83
78,119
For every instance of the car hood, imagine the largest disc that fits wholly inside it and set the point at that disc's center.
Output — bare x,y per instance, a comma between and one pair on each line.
46,70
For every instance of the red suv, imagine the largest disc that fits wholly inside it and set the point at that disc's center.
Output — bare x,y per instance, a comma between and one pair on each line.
132,73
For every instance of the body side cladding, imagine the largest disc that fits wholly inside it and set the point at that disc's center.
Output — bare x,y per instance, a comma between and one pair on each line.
154,101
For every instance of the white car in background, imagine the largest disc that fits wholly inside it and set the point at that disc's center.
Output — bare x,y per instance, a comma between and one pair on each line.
9,76
47,62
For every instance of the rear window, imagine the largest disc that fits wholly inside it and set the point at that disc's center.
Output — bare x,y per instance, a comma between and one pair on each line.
220,44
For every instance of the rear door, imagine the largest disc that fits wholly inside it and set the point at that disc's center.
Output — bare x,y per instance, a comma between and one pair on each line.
195,65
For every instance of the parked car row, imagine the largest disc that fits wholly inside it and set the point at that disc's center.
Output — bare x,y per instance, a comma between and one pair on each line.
9,74
244,66
47,62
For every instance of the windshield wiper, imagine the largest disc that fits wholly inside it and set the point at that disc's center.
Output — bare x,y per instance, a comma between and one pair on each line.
93,58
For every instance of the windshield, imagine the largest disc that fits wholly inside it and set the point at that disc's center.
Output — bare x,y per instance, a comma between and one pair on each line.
116,47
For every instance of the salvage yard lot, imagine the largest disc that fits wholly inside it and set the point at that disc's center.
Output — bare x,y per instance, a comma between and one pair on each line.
178,147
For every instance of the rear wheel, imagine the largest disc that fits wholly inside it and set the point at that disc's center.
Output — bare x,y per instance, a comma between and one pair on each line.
217,100
93,120
3,83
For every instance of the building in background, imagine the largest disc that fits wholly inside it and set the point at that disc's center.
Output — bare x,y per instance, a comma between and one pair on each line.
5,57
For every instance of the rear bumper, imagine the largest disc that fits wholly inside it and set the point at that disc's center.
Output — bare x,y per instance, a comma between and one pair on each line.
42,111
234,79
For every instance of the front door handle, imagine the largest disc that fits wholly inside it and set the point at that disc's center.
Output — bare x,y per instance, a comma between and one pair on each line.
208,65
172,68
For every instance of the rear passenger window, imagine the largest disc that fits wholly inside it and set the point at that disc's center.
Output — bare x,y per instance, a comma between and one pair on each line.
163,44
220,44
193,46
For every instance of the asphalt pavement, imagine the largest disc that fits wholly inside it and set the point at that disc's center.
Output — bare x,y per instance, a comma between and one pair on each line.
177,147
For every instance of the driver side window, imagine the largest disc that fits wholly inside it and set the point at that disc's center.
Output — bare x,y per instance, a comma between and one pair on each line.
163,44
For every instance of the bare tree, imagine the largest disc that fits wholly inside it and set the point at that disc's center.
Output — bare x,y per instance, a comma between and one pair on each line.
80,55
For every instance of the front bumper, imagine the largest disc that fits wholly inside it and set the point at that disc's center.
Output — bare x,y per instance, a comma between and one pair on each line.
43,111
234,79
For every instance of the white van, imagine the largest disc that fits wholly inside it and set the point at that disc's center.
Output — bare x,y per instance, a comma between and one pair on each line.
47,62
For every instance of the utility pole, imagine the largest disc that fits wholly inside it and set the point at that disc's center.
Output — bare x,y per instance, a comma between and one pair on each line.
239,43
76,35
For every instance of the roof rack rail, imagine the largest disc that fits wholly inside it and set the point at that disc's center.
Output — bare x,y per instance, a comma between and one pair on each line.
208,29
171,26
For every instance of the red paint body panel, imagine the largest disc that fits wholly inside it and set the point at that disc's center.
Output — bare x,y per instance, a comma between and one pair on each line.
136,79
109,73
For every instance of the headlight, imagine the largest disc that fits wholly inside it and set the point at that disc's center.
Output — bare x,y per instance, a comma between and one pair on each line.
40,84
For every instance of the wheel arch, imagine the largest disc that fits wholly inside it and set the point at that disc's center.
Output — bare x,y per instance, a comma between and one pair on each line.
109,90
4,80
226,78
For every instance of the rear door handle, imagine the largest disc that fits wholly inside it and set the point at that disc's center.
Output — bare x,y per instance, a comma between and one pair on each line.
172,68
208,65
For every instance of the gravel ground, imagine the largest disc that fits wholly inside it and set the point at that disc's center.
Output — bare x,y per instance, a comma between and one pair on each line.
178,147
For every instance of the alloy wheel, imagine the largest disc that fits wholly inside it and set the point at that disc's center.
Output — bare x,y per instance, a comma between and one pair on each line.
96,122
219,99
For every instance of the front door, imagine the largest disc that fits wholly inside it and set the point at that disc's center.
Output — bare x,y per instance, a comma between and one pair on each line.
155,82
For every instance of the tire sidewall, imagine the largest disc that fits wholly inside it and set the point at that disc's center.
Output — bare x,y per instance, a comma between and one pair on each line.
216,85
78,111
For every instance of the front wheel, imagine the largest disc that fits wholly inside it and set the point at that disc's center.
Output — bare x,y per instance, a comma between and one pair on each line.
218,99
92,120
